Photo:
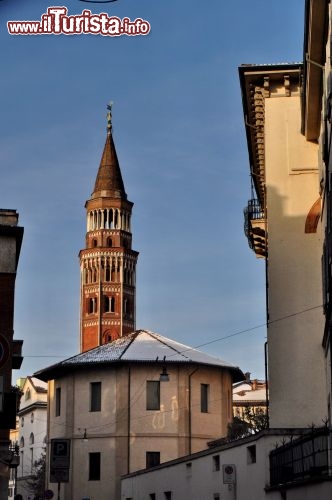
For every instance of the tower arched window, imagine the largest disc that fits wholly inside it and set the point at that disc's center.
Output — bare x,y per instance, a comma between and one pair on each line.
112,304
94,275
107,274
109,304
22,442
92,305
31,438
109,242
27,394
107,337
94,242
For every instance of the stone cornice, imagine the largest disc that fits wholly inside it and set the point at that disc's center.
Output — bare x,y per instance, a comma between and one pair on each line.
257,84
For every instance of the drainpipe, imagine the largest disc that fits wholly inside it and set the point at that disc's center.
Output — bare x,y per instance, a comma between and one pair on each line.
189,403
128,423
266,385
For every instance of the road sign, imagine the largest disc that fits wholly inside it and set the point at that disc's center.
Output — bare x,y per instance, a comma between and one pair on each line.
229,474
59,460
59,475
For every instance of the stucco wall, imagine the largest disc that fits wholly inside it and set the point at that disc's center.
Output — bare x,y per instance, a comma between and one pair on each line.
294,269
123,413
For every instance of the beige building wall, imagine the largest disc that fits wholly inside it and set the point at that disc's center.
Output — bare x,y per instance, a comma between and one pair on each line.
123,413
293,268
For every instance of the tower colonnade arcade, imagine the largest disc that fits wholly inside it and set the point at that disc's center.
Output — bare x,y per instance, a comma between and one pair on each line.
108,218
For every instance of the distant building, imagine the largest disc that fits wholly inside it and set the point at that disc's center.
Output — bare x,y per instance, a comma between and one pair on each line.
32,430
249,396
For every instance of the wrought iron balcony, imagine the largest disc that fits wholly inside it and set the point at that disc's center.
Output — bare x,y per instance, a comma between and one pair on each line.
255,227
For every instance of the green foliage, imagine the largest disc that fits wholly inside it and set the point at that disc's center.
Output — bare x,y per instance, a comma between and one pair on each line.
252,423
36,482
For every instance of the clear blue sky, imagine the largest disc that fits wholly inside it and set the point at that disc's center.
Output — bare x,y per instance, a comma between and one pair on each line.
180,138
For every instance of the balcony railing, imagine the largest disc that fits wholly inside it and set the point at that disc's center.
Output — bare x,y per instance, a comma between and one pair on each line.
255,227
301,459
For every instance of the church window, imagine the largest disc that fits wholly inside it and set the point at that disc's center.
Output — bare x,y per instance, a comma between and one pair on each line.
32,417
152,458
94,242
31,438
94,466
109,242
205,398
95,396
57,401
22,442
152,395
22,421
27,394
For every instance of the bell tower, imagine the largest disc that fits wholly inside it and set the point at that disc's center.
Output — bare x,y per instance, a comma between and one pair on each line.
108,263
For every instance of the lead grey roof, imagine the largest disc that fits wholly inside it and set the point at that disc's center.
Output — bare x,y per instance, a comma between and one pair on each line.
140,346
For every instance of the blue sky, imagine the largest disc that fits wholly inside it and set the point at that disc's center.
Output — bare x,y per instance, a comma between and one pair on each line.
180,138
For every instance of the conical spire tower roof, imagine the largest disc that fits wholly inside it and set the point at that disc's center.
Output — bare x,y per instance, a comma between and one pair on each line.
109,181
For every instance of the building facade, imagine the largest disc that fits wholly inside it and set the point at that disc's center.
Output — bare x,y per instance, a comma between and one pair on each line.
282,226
108,263
133,403
32,429
241,470
250,398
287,114
10,350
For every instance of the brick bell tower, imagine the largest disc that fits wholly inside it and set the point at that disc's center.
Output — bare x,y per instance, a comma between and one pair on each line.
108,263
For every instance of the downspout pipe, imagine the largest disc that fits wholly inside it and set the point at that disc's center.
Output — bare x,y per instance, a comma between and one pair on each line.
189,404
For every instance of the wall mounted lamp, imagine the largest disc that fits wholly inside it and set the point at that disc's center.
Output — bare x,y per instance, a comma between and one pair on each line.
164,377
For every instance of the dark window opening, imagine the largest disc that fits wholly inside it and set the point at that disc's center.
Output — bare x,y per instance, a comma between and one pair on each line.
112,304
204,398
216,462
95,396
108,274
152,395
57,401
152,458
251,454
92,305
94,243
168,495
94,466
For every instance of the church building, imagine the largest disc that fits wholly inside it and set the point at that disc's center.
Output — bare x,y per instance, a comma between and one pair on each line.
131,398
